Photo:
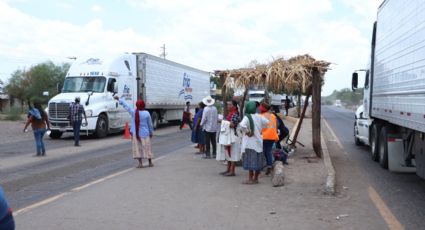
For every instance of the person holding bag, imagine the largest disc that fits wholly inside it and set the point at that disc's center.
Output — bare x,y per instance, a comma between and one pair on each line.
38,120
231,144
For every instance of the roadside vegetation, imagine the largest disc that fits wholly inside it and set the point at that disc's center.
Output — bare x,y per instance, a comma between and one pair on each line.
29,85
347,96
14,114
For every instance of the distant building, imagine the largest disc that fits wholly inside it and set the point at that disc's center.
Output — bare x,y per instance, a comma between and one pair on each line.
4,99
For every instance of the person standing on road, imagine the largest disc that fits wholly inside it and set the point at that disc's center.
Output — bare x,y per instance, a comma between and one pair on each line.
233,151
76,112
287,105
209,126
270,135
6,216
141,131
198,136
38,120
252,142
186,116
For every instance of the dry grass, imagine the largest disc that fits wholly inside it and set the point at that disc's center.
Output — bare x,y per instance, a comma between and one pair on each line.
294,74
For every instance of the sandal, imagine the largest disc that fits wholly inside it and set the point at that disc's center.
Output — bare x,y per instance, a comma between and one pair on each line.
248,182
140,166
229,174
224,173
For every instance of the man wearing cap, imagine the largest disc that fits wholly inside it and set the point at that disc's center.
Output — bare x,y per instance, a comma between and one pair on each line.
210,126
75,116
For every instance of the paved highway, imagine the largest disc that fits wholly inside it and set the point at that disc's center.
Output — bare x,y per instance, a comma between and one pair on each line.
26,184
404,194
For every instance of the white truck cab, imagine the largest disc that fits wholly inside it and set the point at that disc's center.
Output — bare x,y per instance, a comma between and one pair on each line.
95,81
165,86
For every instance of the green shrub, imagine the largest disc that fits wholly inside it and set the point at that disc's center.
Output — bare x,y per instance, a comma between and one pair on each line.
14,114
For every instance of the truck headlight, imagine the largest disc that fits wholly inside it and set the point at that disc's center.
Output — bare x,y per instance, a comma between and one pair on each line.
89,113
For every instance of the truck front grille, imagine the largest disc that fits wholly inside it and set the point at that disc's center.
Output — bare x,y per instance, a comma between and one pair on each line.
58,110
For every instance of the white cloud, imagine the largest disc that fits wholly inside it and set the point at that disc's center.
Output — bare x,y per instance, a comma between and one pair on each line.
96,8
209,35
31,40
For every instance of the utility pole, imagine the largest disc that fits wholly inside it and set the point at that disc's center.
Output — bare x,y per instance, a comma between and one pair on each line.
163,54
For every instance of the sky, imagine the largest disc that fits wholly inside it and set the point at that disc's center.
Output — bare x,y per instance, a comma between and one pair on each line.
205,34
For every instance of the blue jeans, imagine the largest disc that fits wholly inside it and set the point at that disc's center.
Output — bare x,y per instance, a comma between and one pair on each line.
38,135
76,125
267,149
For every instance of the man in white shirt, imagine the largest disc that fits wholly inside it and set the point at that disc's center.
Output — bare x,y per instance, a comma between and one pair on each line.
210,126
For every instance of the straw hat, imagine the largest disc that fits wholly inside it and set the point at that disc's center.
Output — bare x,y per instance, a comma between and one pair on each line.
208,100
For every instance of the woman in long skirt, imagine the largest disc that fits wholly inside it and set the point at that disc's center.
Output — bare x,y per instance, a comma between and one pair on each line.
141,131
233,151
198,136
252,142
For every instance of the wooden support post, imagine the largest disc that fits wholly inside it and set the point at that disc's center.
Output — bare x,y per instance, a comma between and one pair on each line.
316,112
243,102
224,94
299,105
294,139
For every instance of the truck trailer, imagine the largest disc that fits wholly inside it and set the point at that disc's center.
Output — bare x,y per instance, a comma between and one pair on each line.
165,86
392,118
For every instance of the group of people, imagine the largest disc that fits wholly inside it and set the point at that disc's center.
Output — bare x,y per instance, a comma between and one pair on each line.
249,138
40,125
141,127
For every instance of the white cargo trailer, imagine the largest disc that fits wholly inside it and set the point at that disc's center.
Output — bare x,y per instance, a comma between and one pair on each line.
392,117
165,86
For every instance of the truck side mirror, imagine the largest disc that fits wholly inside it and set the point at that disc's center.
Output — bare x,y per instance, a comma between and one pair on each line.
59,88
354,81
115,88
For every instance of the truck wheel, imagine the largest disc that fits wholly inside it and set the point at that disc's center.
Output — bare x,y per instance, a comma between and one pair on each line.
383,148
101,126
356,140
155,120
55,134
374,141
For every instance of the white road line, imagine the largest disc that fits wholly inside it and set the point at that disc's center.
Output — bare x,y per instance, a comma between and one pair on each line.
38,204
100,180
387,215
77,189
333,135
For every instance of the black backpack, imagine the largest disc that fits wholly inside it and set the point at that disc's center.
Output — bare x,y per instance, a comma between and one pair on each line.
283,130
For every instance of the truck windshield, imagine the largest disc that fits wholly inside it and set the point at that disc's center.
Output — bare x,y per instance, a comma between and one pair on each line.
84,84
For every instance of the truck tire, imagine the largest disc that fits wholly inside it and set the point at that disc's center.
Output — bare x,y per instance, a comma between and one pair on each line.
155,120
383,148
55,134
374,141
356,140
101,126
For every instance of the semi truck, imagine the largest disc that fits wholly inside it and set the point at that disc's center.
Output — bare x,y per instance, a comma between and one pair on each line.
165,86
392,118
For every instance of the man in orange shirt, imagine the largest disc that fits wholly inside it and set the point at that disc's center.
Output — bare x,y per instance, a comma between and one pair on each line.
270,135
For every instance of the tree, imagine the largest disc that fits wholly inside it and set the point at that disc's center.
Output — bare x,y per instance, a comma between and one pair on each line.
30,85
17,86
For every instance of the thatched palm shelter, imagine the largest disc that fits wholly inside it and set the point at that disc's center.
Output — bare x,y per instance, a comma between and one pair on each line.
298,74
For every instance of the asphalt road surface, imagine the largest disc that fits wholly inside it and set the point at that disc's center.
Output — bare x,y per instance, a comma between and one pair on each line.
404,194
25,185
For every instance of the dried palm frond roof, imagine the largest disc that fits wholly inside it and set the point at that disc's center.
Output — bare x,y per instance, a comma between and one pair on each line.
294,74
